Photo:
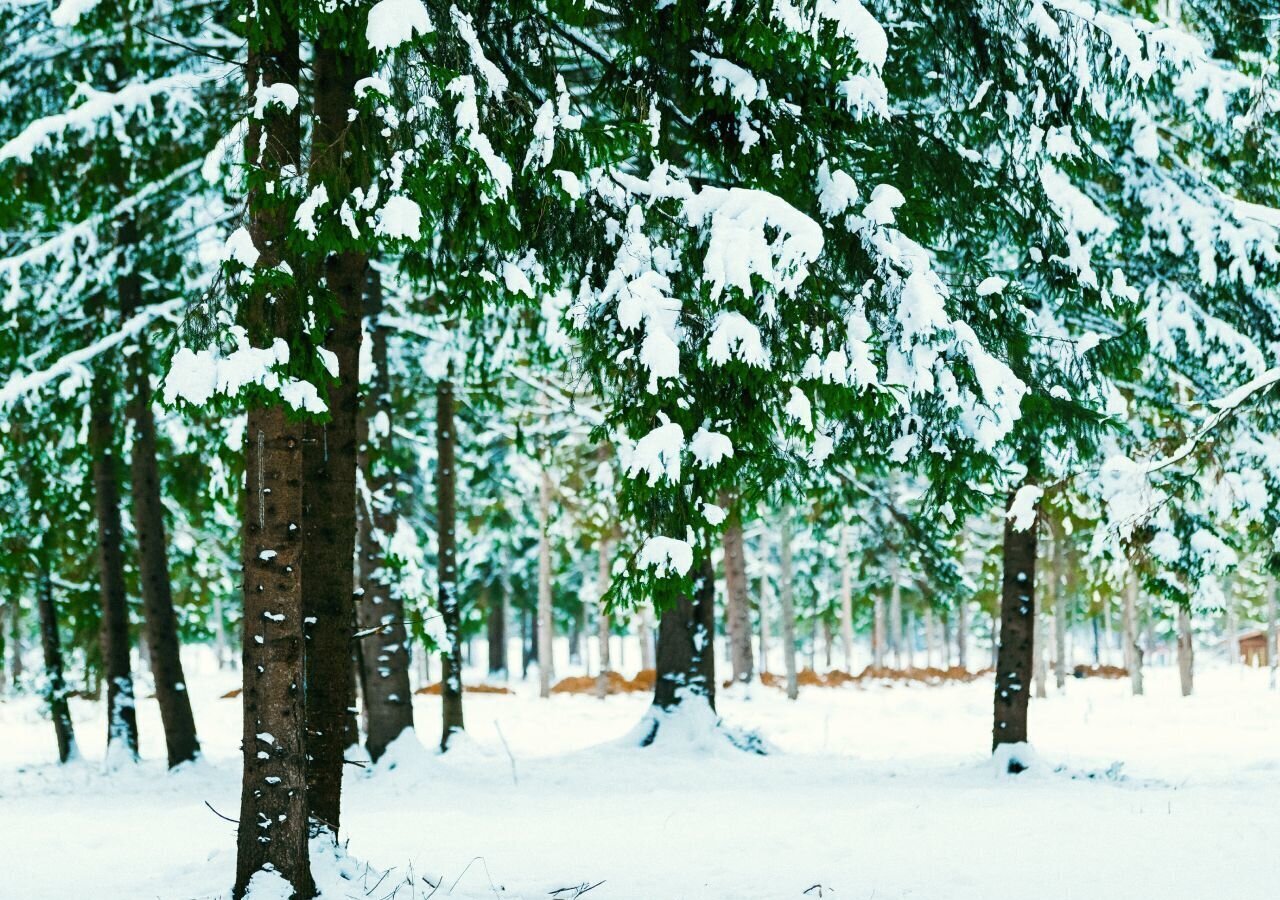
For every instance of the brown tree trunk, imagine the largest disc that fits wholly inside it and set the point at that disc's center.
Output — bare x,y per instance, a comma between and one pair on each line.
55,684
447,566
384,644
686,669
546,620
496,627
122,721
273,830
786,589
737,607
161,624
1017,637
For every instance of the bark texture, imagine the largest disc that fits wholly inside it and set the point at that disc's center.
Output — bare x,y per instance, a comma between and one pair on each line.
329,452
686,666
1017,636
273,828
384,642
737,606
122,720
161,623
447,565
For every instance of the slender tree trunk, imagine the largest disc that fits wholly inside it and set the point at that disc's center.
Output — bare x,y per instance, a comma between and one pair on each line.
909,640
221,648
546,620
1041,669
686,672
1133,652
946,640
763,612
995,639
930,639
1273,652
1109,641
962,635
602,619
446,523
383,649
1062,594
846,601
496,631
788,609
1186,652
273,829
737,607
877,632
577,627
55,685
161,624
1017,635
895,611
122,721
15,641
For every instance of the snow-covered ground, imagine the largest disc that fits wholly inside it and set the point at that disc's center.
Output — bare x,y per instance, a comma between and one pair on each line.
880,792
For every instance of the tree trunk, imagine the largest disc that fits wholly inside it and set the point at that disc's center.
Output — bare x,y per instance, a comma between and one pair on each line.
602,619
1017,635
546,615
383,649
15,641
962,635
1062,594
55,685
909,640
846,601
995,638
221,648
447,568
161,624
1186,652
788,609
1041,669
877,632
1133,652
330,448
273,819
737,607
946,640
763,612
685,653
1273,652
122,720
496,631
895,612
930,640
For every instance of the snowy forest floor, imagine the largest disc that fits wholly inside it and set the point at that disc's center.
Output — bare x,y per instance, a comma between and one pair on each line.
872,793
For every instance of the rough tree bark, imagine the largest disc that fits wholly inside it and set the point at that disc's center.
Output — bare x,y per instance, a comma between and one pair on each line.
55,684
161,624
546,668
1017,632
737,606
447,565
1132,650
685,654
1186,653
122,720
273,828
384,642
329,449
788,609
